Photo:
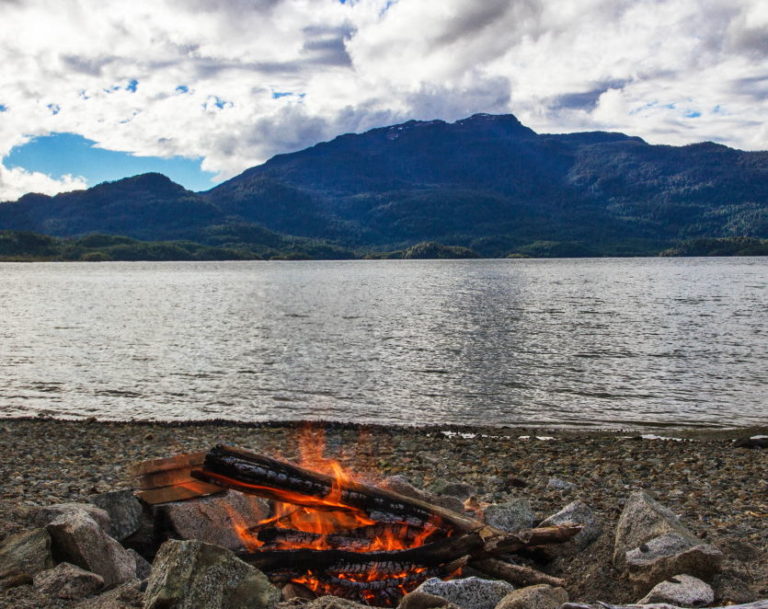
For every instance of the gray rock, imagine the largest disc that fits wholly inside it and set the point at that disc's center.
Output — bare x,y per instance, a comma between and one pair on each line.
511,516
560,485
460,490
42,516
664,556
334,602
78,539
68,581
577,512
643,519
23,555
124,512
399,484
422,600
125,596
215,519
297,592
468,593
534,597
143,567
196,575
681,590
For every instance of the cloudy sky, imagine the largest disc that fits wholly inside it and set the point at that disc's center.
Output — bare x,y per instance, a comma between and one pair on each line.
202,89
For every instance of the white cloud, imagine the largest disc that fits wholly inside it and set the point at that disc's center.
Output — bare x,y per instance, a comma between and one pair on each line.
669,71
16,182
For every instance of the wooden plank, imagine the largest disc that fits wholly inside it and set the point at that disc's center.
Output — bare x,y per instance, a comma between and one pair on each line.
178,493
168,478
187,460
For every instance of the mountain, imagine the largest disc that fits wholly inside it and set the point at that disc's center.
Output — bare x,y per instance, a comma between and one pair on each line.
486,182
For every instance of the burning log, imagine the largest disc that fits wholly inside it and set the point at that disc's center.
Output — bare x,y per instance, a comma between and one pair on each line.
257,474
359,539
433,554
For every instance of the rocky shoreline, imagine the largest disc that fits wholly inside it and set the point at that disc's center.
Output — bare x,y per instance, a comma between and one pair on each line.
719,491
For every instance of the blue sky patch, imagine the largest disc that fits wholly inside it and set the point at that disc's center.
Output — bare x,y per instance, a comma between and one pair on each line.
182,89
132,85
54,108
67,153
3,107
692,114
279,94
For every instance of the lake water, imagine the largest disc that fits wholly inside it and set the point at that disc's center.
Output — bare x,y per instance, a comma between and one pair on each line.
594,342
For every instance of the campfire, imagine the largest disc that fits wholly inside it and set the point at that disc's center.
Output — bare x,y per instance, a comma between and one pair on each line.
329,533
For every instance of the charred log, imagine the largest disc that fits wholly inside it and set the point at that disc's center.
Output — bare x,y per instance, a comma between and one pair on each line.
433,554
257,474
358,539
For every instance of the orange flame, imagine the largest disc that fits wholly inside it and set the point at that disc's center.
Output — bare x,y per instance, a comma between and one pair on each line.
322,523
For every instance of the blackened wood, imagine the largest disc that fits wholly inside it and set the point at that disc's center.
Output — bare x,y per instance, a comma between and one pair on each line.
354,539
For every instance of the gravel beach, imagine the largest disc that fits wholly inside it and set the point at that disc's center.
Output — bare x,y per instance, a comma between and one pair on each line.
719,491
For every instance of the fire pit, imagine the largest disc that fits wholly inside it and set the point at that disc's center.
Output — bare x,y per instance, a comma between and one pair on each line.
332,534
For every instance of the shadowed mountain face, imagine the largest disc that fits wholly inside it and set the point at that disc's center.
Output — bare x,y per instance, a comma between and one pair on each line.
487,182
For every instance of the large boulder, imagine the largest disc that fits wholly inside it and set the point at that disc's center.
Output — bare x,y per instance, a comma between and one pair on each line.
643,519
124,512
68,581
667,555
44,515
23,555
577,512
193,575
216,519
682,591
126,596
510,516
78,539
333,602
534,597
422,600
469,592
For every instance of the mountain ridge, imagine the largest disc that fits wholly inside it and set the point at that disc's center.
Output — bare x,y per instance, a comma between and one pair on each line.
486,182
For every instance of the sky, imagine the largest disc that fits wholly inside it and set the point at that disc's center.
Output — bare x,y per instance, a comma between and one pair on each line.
94,90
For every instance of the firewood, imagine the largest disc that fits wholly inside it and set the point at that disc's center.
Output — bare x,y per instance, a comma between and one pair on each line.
169,479
518,575
432,554
257,474
357,539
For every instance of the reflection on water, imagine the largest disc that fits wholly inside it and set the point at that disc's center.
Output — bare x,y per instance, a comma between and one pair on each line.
621,342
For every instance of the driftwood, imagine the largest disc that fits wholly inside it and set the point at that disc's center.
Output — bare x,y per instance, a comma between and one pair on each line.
515,574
